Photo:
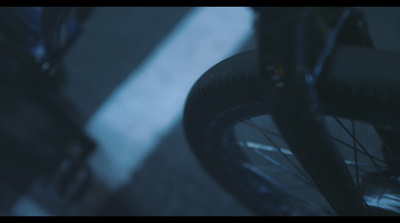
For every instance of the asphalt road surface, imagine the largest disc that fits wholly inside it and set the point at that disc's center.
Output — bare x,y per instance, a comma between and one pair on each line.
128,76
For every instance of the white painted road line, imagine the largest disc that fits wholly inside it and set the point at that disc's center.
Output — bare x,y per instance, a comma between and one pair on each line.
25,206
144,108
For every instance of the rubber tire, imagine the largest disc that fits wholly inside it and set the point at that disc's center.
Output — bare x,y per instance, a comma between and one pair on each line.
227,93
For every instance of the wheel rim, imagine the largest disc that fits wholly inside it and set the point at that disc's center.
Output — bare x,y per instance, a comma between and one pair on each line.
267,151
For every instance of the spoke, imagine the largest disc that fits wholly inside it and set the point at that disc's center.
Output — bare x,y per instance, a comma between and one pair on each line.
265,156
264,147
281,152
358,150
359,144
355,152
260,173
334,138
267,148
264,130
352,163
357,147
261,150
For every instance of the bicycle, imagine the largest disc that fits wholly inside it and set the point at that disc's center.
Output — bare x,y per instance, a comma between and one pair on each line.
310,63
43,147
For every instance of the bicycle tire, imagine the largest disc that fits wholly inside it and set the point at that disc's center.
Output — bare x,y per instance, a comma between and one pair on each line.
232,91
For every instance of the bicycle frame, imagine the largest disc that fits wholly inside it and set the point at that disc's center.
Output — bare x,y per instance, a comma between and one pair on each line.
30,59
287,37
32,31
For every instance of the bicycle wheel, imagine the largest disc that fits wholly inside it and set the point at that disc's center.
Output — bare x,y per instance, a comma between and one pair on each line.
266,178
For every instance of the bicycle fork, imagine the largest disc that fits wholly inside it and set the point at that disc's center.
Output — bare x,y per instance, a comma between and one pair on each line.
284,40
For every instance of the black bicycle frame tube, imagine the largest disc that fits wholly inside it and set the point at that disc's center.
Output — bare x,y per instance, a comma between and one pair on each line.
282,38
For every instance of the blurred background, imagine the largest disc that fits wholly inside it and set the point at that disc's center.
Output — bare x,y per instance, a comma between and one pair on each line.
127,77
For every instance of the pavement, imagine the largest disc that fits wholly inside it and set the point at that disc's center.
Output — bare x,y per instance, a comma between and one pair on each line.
117,46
